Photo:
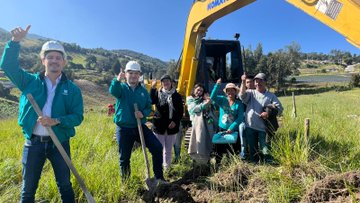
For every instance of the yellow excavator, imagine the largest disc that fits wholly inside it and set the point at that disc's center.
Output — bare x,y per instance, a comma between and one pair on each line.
207,60
224,56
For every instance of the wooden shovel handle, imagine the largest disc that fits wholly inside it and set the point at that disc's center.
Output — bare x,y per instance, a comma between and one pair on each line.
62,151
141,133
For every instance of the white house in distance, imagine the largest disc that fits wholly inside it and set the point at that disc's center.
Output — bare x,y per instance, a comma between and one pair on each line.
352,68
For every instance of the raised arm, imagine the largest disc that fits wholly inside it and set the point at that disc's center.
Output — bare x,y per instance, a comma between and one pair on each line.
115,87
10,59
214,96
242,93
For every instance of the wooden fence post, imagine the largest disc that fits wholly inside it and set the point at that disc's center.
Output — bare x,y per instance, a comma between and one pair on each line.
294,106
307,128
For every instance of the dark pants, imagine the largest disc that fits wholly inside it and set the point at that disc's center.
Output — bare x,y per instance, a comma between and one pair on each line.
177,145
126,137
34,155
257,139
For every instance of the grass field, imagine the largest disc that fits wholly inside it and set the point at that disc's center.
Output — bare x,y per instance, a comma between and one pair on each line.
332,147
8,108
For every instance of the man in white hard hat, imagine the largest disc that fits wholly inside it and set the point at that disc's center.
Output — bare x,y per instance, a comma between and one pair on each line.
128,91
256,100
62,107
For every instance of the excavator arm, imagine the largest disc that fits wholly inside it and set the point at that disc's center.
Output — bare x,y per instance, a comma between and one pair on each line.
341,15
202,15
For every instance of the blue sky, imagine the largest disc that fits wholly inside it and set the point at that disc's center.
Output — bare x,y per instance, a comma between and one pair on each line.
156,28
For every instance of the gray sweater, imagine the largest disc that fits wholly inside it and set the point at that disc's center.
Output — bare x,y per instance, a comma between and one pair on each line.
255,102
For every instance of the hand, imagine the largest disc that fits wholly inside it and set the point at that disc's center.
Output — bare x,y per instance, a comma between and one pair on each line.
243,77
18,33
47,121
121,75
218,81
264,115
207,98
228,131
172,125
138,114
153,84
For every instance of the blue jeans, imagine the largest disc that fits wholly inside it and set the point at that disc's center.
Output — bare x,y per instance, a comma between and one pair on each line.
126,137
243,140
34,156
256,138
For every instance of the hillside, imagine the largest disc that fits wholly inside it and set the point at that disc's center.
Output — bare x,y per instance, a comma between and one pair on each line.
94,96
96,63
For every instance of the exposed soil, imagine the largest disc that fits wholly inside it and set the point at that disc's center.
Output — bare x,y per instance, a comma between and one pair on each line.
335,188
200,185
237,184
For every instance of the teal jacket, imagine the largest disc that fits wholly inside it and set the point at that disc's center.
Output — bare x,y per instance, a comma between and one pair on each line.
67,105
125,100
230,116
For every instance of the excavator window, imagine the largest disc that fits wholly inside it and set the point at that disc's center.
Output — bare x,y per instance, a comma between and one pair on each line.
219,59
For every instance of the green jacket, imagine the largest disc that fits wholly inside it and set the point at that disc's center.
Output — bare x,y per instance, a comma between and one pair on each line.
125,100
230,116
67,104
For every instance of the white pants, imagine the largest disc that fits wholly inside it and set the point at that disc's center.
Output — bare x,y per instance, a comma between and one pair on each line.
167,142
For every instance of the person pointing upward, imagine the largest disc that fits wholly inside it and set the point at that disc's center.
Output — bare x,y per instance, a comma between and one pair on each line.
62,107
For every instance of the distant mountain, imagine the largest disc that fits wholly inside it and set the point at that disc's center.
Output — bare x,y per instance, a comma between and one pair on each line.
4,35
35,36
91,64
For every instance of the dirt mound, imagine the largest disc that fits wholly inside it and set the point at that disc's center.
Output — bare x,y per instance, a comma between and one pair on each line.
228,184
256,191
232,179
335,188
168,193
197,174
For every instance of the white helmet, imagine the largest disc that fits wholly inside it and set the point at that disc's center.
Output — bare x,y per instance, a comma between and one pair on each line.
52,46
209,61
133,65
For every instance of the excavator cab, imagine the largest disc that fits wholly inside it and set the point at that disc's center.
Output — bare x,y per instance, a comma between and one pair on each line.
219,59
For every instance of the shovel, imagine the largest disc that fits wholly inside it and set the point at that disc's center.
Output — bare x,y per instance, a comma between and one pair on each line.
150,182
58,145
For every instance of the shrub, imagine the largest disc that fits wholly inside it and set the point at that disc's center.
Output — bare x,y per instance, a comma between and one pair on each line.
355,80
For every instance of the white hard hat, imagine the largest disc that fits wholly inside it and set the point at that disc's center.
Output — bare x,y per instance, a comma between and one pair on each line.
52,46
209,61
133,65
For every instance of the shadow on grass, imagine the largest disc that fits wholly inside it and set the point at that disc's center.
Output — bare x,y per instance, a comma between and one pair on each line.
335,153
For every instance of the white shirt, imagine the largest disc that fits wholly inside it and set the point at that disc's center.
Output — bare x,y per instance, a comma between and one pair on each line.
40,129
